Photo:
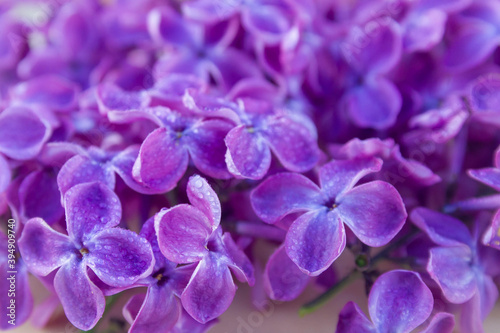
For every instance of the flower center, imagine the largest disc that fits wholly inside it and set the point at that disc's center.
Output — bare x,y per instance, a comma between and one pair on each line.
250,129
84,251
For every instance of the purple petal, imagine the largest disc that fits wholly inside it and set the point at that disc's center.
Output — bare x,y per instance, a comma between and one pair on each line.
209,11
293,144
203,197
340,176
82,301
5,174
442,229
205,142
239,263
44,249
282,194
51,91
167,26
183,233
442,322
315,240
82,169
376,104
162,161
39,196
491,236
90,208
188,324
111,98
159,312
399,302
487,176
268,21
226,75
119,257
248,155
283,280
353,320
210,291
424,30
374,211
451,268
22,133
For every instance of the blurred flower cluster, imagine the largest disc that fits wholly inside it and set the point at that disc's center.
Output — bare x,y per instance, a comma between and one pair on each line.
148,149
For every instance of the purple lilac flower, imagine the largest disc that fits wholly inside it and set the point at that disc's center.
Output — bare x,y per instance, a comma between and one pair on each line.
399,301
191,234
462,267
373,211
118,257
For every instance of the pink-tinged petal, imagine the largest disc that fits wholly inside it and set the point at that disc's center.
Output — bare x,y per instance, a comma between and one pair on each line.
210,290
183,233
315,240
90,208
282,194
119,257
377,51
162,161
82,301
471,41
487,176
132,307
82,169
424,30
442,229
415,170
203,197
470,319
123,164
44,249
188,324
339,176
22,133
206,146
374,211
239,263
399,302
283,280
5,174
293,144
111,98
451,268
442,322
375,104
39,196
51,91
43,311
248,155
159,312
491,236
353,320
488,293
15,288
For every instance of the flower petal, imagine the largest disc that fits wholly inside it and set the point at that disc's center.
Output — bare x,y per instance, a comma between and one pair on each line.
90,208
162,161
282,194
248,155
292,143
487,176
5,174
183,232
159,312
450,268
203,197
353,320
339,176
210,291
442,229
22,294
315,240
399,302
82,169
239,263
205,142
442,322
82,301
119,257
283,280
374,211
22,133
42,248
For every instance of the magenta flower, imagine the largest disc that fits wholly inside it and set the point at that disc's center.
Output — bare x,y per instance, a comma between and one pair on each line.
399,301
461,266
191,234
373,211
118,257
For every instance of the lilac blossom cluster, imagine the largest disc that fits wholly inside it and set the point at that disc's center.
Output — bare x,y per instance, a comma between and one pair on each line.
148,148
